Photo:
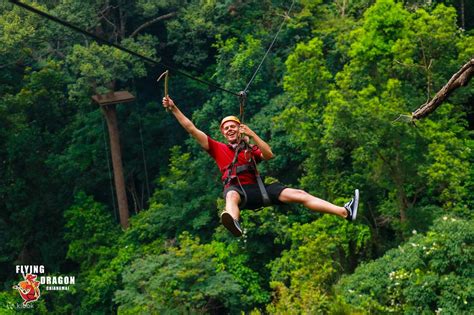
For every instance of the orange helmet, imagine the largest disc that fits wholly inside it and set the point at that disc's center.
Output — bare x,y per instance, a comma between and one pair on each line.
229,118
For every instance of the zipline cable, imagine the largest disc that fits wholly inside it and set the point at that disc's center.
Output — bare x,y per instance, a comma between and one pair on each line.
106,42
244,92
242,95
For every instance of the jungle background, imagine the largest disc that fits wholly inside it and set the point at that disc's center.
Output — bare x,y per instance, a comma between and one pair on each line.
326,97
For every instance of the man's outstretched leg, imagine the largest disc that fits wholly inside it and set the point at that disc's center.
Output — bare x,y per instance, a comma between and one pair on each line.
349,211
230,217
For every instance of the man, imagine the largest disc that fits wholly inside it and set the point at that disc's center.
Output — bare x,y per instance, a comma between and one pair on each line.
239,175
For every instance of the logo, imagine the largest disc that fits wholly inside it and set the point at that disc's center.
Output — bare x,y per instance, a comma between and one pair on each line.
28,289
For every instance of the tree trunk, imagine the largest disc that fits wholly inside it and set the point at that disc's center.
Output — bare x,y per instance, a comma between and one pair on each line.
110,114
460,78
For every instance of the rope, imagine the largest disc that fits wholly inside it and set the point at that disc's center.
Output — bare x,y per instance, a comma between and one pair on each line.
269,48
242,99
109,169
106,42
143,156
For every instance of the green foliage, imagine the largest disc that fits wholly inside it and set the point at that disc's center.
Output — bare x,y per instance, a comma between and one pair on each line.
90,230
307,82
429,273
8,302
384,25
149,8
307,58
192,33
184,279
286,164
320,251
92,237
11,304
447,171
18,32
100,66
348,126
30,134
236,259
325,99
176,206
237,60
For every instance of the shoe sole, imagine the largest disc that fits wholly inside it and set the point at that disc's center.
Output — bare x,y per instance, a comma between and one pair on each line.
356,204
228,221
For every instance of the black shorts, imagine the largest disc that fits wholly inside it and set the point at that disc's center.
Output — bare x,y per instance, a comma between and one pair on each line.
252,199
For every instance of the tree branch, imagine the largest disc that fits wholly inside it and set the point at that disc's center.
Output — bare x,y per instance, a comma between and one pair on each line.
146,24
460,78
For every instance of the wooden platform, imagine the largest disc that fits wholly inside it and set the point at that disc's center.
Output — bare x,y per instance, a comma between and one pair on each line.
113,98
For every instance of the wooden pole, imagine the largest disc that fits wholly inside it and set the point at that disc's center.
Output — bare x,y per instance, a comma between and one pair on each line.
110,113
108,105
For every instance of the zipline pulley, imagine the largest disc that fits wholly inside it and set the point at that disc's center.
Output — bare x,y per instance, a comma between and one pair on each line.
242,100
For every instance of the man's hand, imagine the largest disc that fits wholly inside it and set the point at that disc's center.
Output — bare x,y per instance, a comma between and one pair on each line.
168,103
264,147
244,129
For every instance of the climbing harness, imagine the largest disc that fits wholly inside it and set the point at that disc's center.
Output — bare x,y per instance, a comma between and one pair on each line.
252,166
233,170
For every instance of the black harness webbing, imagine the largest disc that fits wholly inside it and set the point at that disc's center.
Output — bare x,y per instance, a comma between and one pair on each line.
261,185
230,168
248,167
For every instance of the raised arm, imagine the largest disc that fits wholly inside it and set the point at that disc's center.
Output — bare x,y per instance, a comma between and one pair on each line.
186,123
264,147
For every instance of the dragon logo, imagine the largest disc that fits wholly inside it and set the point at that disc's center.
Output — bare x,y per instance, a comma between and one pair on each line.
28,289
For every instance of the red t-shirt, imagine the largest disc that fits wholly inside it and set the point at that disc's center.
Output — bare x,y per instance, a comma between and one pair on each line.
223,154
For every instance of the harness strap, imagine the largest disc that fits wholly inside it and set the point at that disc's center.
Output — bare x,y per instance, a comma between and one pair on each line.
230,167
246,167
243,168
263,191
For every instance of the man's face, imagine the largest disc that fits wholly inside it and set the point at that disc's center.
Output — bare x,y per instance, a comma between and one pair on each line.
230,130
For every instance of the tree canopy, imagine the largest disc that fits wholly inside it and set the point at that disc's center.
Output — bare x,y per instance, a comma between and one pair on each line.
326,99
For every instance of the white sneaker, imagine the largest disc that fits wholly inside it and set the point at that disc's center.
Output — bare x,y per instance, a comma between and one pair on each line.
352,205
